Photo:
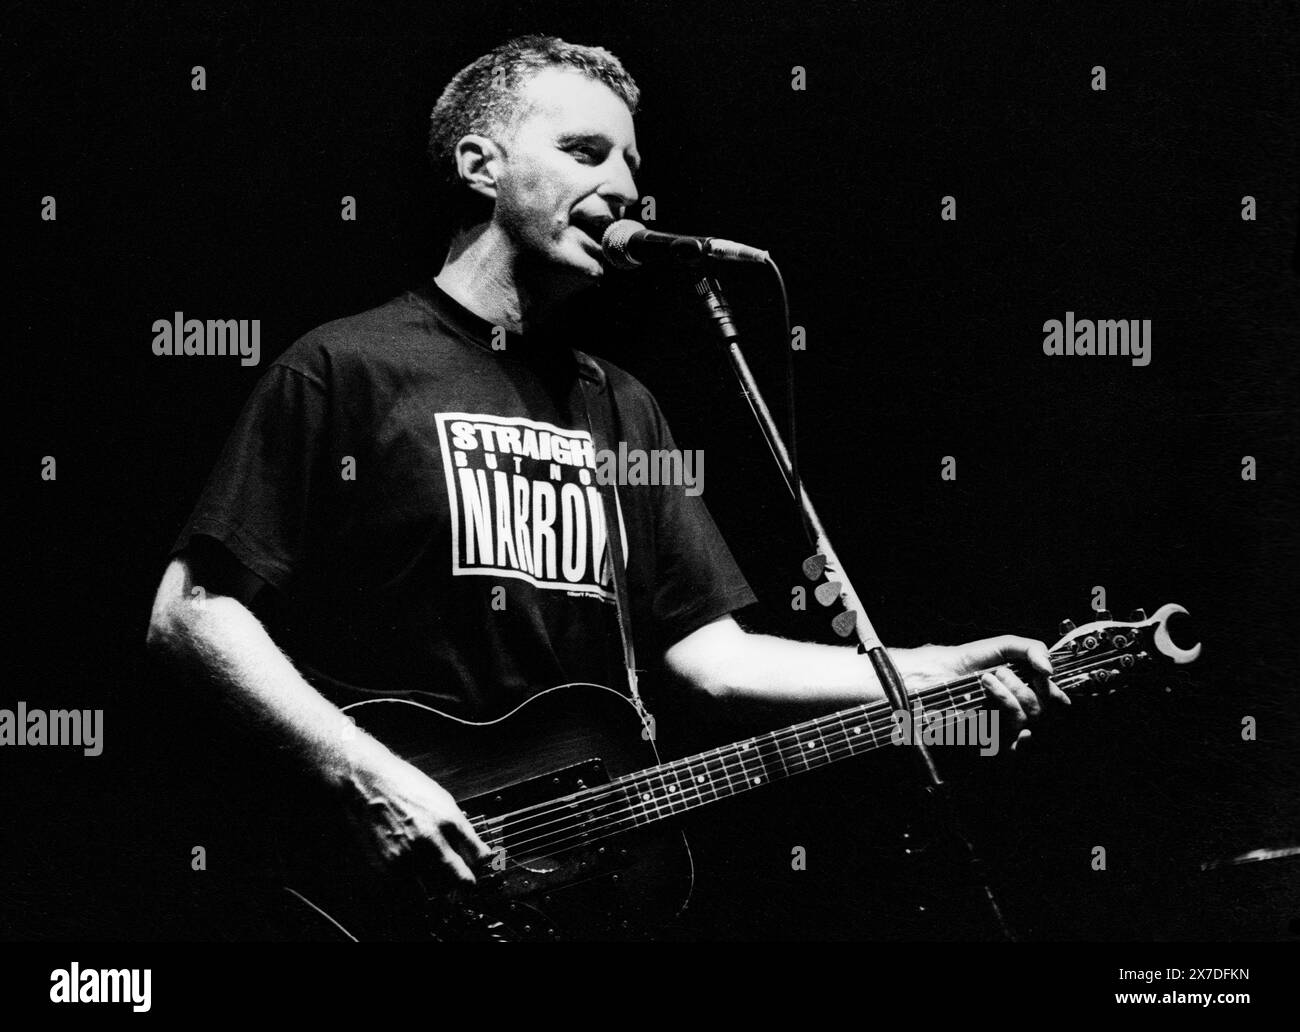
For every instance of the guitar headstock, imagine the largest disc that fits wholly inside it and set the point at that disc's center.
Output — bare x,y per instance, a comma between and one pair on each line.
1088,658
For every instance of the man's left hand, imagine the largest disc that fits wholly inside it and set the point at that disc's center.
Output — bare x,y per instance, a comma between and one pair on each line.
1023,703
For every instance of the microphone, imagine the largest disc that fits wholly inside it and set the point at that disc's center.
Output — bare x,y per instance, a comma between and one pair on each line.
629,245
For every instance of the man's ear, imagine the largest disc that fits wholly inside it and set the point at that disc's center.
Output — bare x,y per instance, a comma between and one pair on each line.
478,161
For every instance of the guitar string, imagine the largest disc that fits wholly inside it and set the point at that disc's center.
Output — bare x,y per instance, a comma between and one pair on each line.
964,683
945,692
645,780
602,829
835,746
722,753
620,824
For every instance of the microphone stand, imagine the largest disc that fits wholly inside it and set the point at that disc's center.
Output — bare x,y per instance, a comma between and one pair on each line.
854,620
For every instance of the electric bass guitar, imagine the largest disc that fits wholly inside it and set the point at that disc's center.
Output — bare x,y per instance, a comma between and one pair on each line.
569,792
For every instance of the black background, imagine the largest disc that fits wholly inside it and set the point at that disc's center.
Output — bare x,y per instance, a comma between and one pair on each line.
924,340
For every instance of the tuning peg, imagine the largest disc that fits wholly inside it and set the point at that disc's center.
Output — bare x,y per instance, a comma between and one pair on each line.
827,593
1137,616
1066,627
814,565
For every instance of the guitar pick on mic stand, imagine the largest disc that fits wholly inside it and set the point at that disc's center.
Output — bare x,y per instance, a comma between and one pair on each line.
853,621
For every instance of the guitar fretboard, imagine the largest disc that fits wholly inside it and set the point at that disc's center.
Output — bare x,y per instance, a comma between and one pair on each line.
685,784
578,820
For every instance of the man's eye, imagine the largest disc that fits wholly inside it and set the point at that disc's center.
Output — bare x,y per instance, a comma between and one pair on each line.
589,155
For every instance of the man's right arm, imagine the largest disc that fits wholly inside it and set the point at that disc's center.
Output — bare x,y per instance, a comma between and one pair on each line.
200,627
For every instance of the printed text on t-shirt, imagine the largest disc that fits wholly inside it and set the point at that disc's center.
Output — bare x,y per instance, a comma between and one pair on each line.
524,502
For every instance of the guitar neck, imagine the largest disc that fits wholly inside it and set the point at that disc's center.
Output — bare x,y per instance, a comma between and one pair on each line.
674,788
681,785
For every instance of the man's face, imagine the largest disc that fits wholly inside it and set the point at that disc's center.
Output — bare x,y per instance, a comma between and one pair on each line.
568,170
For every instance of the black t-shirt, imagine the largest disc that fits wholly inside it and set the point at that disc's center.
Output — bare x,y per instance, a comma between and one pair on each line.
426,508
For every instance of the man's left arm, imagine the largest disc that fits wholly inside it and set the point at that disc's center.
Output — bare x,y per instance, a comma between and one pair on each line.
759,671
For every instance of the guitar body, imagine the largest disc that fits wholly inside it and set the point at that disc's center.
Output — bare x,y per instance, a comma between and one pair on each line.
561,741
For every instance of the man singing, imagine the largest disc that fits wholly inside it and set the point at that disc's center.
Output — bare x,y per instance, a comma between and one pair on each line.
406,505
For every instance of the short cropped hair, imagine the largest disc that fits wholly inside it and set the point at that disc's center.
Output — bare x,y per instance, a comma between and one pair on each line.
483,98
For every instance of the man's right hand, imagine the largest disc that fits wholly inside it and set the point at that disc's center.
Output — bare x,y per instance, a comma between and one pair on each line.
410,825
407,822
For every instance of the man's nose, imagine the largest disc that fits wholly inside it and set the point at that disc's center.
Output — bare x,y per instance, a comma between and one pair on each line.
620,188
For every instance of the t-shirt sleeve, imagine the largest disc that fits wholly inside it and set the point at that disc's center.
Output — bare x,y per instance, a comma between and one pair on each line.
260,497
696,577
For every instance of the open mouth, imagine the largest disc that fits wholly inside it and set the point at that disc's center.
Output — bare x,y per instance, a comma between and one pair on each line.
592,229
